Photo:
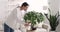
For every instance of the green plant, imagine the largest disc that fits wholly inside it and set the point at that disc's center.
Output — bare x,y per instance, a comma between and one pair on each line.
33,17
53,21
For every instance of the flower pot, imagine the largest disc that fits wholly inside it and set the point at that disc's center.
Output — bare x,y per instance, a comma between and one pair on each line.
52,31
33,28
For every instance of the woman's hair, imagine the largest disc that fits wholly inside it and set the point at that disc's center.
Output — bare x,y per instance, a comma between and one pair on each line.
25,4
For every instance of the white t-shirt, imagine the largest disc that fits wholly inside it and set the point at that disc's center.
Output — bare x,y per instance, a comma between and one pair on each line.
20,15
15,19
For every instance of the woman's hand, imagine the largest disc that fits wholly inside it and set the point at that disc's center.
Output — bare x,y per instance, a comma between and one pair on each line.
27,24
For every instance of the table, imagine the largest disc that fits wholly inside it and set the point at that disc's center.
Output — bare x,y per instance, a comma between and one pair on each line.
38,30
30,31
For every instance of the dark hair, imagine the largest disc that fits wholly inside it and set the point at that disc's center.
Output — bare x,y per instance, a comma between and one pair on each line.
25,4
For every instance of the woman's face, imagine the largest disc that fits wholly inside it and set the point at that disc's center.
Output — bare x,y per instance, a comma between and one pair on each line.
25,7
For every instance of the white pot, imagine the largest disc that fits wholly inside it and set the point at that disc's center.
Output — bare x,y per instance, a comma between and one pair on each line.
52,31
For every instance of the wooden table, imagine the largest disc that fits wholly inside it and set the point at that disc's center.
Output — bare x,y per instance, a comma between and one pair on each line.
30,31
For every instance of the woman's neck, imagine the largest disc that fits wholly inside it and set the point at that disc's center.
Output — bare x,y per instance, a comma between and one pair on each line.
21,8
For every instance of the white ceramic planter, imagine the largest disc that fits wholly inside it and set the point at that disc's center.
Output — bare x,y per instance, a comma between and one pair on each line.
52,31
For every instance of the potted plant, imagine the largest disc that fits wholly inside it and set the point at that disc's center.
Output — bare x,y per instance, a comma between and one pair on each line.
34,18
53,21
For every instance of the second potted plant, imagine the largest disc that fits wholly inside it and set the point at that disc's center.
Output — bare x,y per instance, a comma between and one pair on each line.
53,21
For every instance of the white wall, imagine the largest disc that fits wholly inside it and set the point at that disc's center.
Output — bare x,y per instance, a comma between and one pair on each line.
54,6
58,27
3,12
3,8
36,5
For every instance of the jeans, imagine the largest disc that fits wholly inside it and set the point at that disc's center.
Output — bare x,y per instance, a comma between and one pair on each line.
7,28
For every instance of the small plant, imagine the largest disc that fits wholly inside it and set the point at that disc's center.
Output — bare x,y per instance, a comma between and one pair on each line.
53,21
33,17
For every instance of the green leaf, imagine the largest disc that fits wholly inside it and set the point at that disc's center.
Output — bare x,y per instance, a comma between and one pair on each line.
34,17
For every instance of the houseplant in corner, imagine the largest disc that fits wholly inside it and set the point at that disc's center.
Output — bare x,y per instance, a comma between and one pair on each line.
34,18
53,21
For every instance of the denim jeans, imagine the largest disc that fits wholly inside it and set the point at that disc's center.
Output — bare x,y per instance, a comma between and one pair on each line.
7,28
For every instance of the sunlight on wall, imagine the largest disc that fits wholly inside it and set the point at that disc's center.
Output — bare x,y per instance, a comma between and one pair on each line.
36,5
3,8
